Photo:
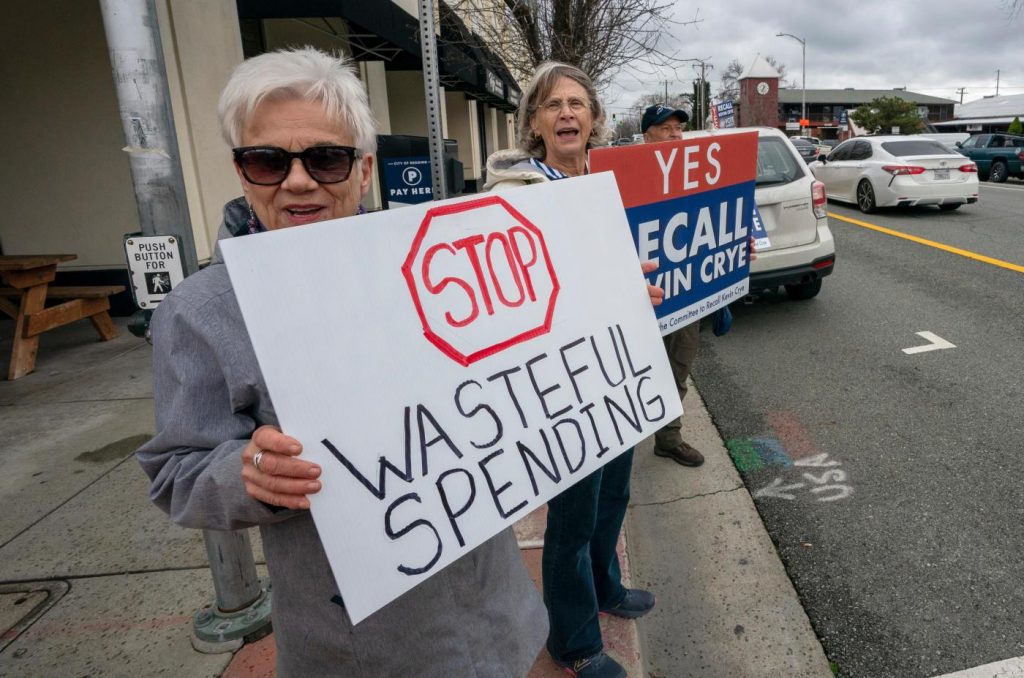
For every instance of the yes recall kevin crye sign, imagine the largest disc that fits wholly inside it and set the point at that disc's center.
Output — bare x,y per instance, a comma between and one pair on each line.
451,366
690,206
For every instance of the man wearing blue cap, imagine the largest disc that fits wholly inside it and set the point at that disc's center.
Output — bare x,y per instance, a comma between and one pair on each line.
664,123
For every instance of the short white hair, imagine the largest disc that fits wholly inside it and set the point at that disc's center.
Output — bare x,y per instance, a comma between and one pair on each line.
303,73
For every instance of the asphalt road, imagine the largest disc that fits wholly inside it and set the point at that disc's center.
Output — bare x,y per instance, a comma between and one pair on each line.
891,482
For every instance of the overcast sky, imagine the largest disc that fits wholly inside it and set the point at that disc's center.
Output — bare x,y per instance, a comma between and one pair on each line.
929,47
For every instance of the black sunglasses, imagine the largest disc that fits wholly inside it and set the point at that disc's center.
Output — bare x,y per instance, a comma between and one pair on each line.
269,165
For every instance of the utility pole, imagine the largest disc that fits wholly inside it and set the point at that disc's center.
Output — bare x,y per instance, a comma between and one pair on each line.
699,105
242,604
666,92
961,90
803,77
997,82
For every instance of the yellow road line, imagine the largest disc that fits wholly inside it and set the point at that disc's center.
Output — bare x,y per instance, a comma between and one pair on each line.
930,243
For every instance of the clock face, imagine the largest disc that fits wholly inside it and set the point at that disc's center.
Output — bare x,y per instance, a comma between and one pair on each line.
762,88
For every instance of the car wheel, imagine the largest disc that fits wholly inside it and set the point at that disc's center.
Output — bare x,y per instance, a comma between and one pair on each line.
866,197
998,172
804,291
950,206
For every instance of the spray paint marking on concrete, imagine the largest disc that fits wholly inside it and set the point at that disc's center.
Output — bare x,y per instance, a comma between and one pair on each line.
821,478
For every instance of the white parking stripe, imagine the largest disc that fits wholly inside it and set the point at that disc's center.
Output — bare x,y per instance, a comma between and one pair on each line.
1004,188
1009,668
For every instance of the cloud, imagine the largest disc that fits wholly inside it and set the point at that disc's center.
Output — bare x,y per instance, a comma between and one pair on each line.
928,47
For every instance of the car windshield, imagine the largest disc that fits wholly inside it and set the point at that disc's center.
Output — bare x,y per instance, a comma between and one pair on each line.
775,163
902,149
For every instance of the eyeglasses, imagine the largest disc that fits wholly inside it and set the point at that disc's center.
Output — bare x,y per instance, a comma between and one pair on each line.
269,165
554,106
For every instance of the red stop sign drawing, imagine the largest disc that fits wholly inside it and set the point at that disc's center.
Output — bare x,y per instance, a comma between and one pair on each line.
481,278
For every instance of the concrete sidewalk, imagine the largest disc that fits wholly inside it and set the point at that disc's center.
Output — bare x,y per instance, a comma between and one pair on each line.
96,581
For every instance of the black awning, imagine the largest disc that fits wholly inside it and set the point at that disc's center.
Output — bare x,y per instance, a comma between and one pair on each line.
377,30
464,57
384,31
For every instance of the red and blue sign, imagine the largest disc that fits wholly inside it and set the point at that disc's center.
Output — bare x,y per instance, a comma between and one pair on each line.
690,207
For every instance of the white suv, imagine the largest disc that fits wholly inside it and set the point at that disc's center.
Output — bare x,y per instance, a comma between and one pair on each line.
793,209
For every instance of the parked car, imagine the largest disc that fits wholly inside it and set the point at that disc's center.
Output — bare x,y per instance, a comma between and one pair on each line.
622,141
904,171
817,143
792,207
807,150
948,139
997,156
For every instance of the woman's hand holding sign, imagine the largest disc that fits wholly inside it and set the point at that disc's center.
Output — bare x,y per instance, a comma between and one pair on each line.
656,293
272,472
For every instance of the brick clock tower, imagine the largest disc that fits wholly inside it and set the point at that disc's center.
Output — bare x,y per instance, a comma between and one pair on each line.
759,95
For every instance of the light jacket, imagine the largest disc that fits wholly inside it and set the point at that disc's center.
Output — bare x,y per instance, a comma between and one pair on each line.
511,168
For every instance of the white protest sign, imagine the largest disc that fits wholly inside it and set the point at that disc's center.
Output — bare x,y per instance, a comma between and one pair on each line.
452,366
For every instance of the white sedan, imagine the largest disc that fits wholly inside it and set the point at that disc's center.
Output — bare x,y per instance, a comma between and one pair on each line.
897,171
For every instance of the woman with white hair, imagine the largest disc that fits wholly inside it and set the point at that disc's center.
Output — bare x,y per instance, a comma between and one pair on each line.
560,119
303,143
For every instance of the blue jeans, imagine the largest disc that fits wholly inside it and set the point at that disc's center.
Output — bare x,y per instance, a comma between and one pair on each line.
580,566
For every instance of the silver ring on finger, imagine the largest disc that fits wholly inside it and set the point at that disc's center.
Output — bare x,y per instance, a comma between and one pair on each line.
256,459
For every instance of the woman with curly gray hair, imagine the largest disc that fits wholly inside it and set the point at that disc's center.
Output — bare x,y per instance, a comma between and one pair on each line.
560,119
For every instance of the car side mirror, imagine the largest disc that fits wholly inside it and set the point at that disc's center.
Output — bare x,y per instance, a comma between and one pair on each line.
822,158
959,144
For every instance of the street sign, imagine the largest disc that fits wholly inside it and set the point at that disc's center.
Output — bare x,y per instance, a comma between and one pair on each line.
792,126
407,180
155,265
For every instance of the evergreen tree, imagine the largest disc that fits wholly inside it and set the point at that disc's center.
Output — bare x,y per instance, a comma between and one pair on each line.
1015,127
880,115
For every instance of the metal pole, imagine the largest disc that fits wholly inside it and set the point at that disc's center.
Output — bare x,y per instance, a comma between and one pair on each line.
803,77
241,607
137,59
234,578
431,89
803,85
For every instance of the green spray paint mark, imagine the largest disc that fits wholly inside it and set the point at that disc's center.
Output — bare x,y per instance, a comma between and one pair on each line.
754,454
744,455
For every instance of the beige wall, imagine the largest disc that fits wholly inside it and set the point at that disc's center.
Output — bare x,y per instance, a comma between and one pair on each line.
407,104
66,179
65,182
463,127
510,130
491,127
374,76
201,47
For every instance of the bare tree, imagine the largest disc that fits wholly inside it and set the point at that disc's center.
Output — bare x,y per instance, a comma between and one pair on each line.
729,87
601,37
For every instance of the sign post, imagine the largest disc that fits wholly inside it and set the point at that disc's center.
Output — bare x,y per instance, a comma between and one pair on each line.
154,265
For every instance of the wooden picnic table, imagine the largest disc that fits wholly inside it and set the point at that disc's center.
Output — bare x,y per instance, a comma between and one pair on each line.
28,277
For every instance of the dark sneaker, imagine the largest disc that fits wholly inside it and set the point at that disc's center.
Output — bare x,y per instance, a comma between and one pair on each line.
681,454
597,665
636,603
